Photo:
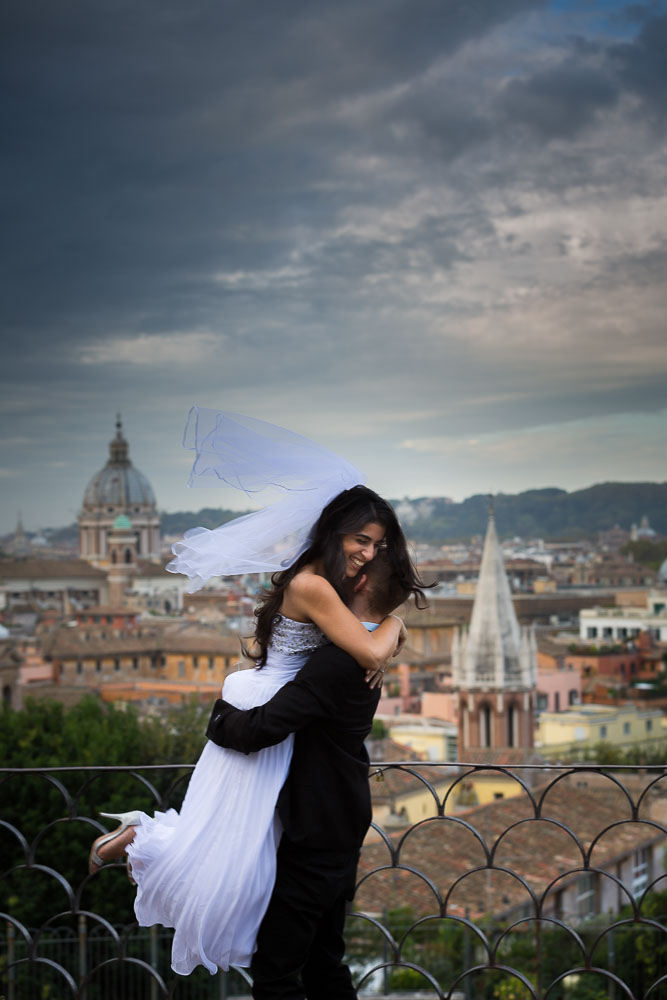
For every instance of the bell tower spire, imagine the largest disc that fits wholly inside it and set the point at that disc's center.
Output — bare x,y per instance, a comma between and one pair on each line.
494,663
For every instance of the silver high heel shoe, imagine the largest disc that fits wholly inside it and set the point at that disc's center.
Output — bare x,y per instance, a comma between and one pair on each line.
126,820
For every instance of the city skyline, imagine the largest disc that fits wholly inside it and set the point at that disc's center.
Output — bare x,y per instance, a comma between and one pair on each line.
432,236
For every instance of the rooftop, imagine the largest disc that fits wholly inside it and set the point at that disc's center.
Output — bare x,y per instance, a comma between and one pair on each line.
47,569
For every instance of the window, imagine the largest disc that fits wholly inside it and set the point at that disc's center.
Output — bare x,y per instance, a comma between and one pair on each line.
98,666
181,668
640,870
573,697
79,667
512,725
603,732
135,663
649,725
484,726
557,702
586,896
591,632
626,728
116,663
195,662
542,702
211,662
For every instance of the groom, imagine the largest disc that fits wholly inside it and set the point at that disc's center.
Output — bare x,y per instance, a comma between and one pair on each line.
324,806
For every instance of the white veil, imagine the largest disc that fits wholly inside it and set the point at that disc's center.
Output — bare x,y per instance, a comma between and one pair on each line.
254,456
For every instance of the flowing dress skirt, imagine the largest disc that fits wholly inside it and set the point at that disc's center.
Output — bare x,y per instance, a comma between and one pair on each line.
209,870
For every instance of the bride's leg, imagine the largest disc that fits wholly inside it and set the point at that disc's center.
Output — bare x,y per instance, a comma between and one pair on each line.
116,848
113,845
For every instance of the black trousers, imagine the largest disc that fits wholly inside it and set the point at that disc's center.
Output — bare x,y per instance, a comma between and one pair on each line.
300,945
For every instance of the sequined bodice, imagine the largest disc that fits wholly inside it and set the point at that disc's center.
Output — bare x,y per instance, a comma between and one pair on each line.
289,636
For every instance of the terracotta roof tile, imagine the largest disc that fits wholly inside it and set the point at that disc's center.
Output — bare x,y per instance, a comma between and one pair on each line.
30,569
177,637
539,850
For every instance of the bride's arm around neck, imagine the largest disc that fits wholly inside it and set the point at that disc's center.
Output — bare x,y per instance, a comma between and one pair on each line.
310,597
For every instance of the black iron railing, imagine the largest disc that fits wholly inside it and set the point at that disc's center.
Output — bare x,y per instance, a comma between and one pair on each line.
489,882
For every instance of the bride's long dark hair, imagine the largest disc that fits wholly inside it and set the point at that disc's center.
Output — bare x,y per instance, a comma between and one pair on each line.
344,515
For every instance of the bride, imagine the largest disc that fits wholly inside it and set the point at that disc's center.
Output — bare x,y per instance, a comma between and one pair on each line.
209,871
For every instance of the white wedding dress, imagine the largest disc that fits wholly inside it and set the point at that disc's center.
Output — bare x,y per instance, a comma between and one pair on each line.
209,870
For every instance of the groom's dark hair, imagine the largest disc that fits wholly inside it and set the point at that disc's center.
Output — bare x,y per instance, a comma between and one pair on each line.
385,590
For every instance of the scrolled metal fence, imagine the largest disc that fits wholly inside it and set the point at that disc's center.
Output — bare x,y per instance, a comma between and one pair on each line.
480,881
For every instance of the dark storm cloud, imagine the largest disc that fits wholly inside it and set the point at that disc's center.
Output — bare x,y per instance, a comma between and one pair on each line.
391,214
565,98
561,101
171,154
642,65
155,142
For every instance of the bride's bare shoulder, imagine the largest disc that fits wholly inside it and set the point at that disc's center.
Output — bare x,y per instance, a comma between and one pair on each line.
307,584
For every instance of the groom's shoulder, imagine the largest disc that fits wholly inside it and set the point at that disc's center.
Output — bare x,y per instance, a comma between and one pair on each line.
330,656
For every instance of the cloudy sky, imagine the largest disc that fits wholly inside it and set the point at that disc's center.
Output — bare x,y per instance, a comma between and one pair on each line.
430,234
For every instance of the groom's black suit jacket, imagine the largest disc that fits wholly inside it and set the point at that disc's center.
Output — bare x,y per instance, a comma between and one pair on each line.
325,801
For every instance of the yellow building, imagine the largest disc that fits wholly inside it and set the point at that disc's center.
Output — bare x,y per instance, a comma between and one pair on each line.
170,660
581,728
401,796
431,739
435,740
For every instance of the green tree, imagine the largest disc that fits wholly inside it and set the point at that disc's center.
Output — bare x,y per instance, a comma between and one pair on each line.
647,553
49,811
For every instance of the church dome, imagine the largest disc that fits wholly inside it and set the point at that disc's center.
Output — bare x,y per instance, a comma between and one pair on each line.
118,499
118,484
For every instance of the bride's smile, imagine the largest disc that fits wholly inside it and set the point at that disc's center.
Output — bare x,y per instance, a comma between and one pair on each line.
362,546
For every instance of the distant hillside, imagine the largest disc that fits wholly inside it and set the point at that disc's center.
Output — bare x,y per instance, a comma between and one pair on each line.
551,514
207,517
